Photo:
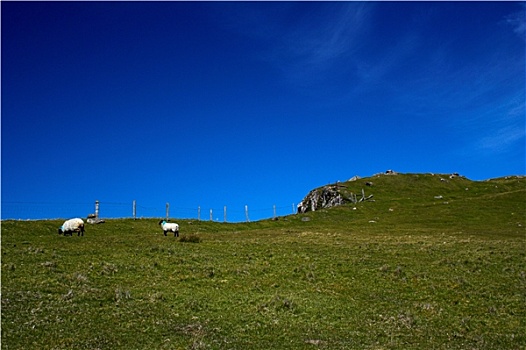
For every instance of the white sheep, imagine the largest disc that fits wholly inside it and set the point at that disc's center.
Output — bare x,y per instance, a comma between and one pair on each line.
72,225
172,227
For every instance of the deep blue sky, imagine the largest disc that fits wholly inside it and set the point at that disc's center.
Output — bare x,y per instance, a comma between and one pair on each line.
253,103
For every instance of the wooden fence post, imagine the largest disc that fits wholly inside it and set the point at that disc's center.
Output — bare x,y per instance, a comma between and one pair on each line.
134,210
167,210
96,209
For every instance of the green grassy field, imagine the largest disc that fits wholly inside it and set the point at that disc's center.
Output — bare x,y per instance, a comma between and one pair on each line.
405,271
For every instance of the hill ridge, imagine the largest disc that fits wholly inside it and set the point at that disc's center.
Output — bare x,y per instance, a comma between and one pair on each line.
423,200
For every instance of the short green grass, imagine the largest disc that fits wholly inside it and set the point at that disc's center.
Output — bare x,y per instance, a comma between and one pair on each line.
406,271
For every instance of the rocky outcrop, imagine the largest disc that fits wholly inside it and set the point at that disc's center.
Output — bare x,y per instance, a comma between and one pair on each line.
387,172
93,219
321,198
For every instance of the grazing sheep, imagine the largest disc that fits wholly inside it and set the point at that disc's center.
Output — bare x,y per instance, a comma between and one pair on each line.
72,225
172,227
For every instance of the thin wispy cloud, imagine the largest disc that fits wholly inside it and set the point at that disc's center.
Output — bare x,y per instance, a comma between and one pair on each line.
372,72
312,47
413,74
498,129
500,140
517,21
481,99
317,46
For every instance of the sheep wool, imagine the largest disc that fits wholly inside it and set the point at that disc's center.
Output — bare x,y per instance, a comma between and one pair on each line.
72,225
172,227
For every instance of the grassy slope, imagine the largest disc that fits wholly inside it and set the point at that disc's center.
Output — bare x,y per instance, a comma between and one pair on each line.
444,273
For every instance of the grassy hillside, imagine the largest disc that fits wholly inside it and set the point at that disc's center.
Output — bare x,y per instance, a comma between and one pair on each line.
426,201
405,271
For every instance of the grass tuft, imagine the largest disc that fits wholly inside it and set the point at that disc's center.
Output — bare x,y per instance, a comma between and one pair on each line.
190,238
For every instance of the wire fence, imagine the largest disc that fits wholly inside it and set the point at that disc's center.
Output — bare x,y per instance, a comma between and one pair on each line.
118,210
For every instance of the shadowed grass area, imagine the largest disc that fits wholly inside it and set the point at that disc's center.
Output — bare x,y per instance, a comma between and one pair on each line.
407,271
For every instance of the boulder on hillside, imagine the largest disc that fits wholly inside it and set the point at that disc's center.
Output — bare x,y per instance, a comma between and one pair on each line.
93,219
321,198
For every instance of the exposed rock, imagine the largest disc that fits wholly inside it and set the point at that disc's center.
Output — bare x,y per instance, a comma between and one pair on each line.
354,178
94,221
387,172
321,198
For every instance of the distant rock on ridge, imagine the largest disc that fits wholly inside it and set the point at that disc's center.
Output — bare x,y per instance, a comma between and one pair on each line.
321,198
